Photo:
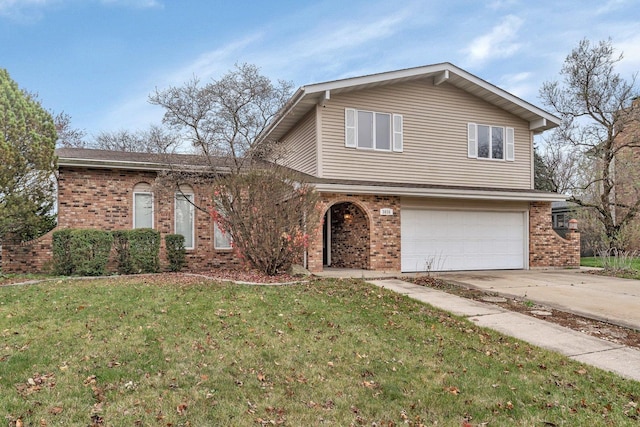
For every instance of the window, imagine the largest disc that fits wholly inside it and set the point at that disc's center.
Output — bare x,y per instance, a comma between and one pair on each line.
373,131
184,217
490,142
560,220
142,206
221,239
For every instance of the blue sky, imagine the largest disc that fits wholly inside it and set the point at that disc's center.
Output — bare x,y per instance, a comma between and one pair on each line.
98,60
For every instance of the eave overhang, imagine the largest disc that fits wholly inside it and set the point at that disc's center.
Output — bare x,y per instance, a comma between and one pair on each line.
441,193
307,97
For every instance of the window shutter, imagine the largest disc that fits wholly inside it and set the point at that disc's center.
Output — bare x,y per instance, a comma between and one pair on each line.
397,133
510,145
350,127
472,140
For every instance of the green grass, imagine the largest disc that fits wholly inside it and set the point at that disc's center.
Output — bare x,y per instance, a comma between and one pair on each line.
625,266
178,350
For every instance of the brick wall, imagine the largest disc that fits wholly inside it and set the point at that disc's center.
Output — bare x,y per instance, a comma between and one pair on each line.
103,198
546,247
349,236
28,257
381,234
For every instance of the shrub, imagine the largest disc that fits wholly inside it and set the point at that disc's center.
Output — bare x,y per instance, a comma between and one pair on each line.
137,250
61,250
89,251
175,251
269,214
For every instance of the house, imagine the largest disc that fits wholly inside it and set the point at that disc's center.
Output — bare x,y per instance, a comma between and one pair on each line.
113,190
427,168
422,169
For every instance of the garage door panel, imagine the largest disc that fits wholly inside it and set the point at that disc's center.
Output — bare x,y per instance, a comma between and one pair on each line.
439,240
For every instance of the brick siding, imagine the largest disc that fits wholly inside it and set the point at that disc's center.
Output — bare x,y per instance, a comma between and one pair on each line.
380,233
103,199
546,247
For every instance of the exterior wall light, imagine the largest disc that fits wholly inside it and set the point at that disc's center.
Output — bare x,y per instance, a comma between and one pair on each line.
573,224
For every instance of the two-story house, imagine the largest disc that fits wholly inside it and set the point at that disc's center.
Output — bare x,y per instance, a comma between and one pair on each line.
422,169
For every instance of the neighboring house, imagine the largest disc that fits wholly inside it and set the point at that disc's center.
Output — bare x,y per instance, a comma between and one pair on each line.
423,169
561,213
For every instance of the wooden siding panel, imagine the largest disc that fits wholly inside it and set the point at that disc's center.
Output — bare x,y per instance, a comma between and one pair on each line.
435,139
299,146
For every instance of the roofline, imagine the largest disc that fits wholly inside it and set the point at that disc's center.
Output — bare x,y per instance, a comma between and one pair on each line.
503,195
129,165
444,67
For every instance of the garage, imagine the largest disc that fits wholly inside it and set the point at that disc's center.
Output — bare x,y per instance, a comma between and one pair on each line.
441,240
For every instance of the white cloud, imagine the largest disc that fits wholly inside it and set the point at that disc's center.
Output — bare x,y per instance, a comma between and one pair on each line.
630,48
520,84
24,10
8,4
349,35
611,6
500,42
139,4
212,63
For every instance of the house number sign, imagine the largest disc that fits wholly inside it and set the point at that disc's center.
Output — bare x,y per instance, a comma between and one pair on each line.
386,211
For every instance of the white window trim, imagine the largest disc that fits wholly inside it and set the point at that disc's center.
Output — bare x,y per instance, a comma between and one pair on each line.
351,131
193,215
148,193
508,149
216,228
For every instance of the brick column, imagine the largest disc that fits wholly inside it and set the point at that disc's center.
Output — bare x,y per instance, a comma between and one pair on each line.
546,247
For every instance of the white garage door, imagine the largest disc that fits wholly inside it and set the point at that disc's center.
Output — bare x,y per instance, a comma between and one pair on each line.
435,240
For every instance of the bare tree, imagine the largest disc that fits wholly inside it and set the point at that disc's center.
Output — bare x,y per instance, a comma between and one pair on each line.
598,119
561,165
266,209
153,140
68,136
223,118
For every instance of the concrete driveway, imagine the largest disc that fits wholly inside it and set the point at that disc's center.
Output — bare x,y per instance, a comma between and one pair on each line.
605,298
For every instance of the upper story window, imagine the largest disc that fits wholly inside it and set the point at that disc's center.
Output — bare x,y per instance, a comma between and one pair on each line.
142,206
185,216
490,142
372,130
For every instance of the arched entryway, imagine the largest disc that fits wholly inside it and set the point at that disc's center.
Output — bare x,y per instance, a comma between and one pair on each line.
346,239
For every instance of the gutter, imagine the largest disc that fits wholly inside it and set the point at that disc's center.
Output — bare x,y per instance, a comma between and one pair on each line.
440,193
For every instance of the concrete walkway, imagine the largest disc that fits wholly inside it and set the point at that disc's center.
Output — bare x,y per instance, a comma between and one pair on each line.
603,354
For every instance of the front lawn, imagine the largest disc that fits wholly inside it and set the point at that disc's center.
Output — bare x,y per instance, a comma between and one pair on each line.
178,350
623,266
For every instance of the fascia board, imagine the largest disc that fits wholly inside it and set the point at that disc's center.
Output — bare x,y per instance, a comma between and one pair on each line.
440,193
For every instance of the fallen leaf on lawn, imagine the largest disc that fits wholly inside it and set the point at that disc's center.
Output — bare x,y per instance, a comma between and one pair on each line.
581,371
453,390
56,410
181,409
19,423
260,377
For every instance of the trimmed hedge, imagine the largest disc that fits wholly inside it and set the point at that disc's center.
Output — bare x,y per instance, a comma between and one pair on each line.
175,251
61,249
138,250
81,252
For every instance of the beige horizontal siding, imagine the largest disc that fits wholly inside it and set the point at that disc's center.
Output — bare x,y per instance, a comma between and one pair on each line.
435,138
299,146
